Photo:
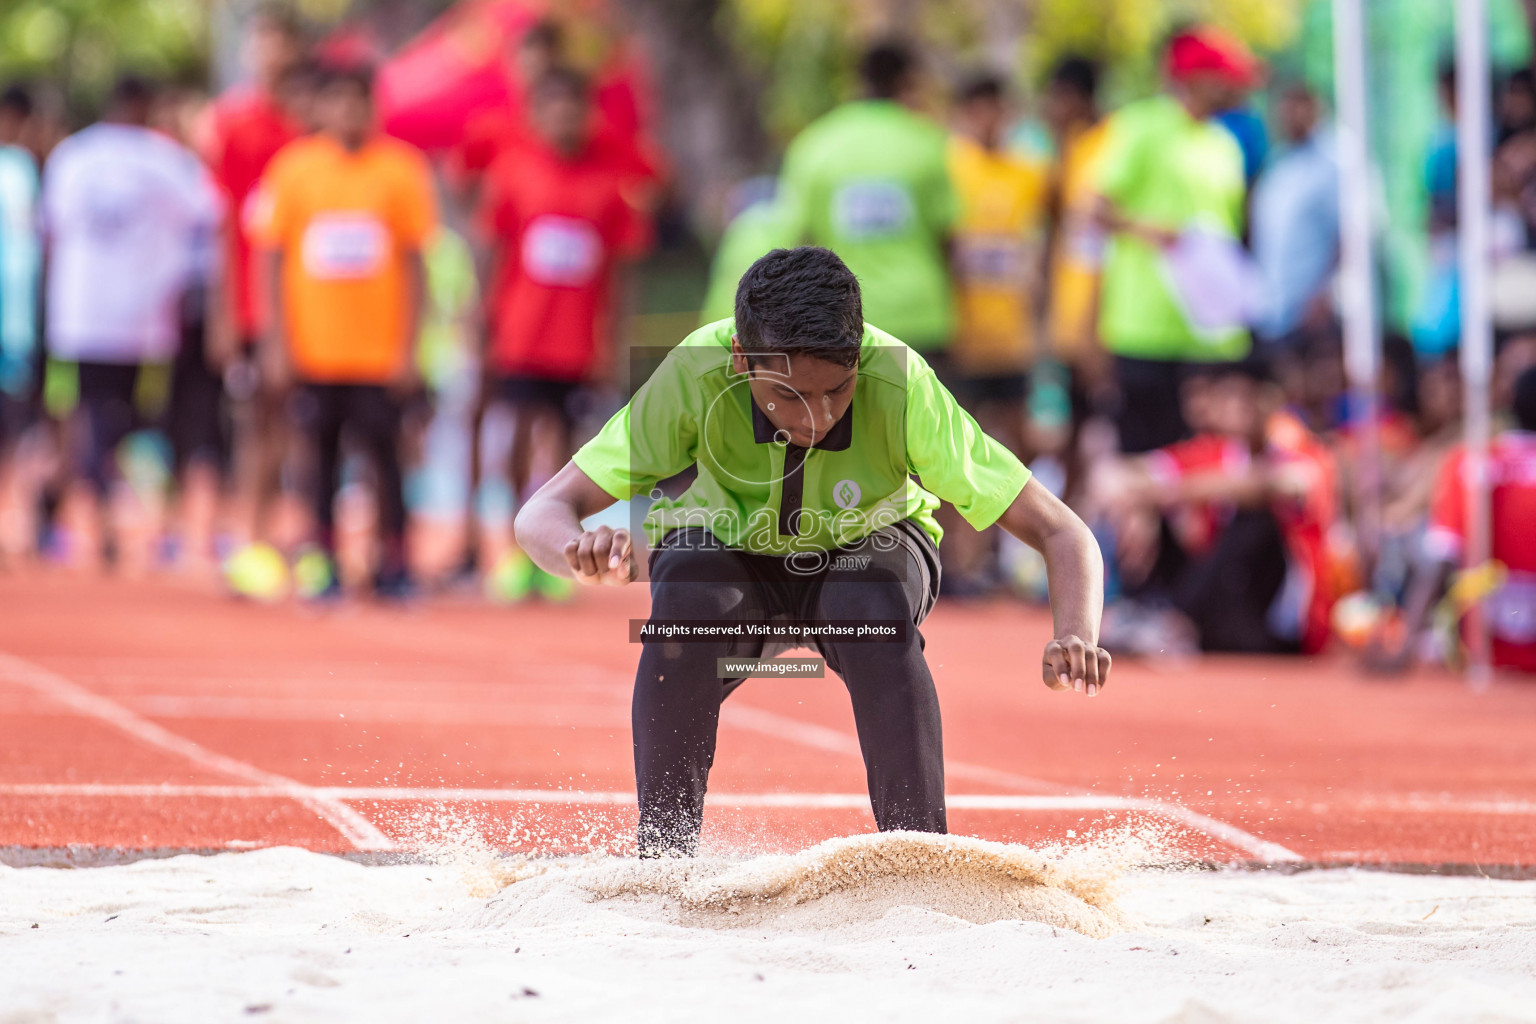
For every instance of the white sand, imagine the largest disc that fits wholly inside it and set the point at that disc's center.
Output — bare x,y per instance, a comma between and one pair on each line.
898,929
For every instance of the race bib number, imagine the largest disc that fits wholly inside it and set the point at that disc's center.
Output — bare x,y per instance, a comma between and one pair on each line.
562,251
993,260
866,210
344,246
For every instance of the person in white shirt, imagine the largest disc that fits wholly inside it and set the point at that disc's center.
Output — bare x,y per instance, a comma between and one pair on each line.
123,210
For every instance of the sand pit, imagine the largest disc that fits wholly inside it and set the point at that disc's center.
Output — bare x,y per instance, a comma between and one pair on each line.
898,928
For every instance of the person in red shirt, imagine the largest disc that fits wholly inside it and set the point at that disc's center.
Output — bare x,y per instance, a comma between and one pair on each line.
616,111
1250,504
560,227
247,127
1510,609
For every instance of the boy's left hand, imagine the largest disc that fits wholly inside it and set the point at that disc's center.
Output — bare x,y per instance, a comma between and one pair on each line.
1071,663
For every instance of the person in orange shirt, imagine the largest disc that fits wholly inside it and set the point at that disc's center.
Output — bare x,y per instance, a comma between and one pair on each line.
343,217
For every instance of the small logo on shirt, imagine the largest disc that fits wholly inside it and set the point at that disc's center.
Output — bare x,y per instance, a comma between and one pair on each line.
847,494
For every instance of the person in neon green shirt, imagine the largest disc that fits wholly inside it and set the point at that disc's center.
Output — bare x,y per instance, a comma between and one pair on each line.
760,226
806,426
1166,168
869,180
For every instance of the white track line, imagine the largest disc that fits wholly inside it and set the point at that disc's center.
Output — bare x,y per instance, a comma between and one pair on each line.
358,830
1231,835
374,711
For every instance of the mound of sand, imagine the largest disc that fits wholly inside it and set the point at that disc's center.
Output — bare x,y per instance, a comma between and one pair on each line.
852,880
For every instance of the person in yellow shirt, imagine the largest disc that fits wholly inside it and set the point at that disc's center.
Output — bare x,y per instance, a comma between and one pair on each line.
1071,112
342,217
998,243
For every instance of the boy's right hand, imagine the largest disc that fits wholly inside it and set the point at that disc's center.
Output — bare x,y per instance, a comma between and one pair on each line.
602,556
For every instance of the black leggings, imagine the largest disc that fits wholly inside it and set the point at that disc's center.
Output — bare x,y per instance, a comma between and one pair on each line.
109,415
678,691
372,415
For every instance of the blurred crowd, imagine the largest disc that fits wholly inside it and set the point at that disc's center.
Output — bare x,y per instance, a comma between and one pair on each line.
238,333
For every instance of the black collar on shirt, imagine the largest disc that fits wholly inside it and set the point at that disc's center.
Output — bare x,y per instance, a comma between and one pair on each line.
838,439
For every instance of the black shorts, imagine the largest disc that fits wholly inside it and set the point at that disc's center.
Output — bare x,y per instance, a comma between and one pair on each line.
15,417
788,588
565,397
194,418
991,389
110,414
1149,414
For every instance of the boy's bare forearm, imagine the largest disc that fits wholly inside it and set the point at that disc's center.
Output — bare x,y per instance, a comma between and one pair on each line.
550,521
1073,563
545,527
1074,569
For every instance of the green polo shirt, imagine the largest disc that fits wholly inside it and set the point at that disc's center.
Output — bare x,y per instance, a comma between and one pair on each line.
759,495
1163,167
870,181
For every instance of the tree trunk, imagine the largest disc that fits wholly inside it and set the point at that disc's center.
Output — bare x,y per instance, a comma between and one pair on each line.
710,120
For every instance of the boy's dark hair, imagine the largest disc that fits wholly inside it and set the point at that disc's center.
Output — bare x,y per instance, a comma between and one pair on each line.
1525,400
545,34
345,75
282,17
1256,367
801,302
132,91
562,81
303,74
17,101
1079,74
886,67
981,85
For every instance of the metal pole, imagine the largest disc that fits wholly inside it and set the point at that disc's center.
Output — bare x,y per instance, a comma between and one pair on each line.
1362,347
1472,185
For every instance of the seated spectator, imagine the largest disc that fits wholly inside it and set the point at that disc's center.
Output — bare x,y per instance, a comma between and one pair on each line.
1409,480
1248,502
1511,607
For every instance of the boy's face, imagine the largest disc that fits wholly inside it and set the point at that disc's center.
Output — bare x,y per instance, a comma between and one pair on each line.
560,118
1063,106
345,110
803,397
12,124
1239,406
270,51
982,119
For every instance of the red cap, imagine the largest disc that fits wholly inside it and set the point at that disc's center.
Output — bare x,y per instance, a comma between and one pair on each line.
1210,51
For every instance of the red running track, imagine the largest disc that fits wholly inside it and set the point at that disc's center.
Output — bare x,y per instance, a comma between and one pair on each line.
157,715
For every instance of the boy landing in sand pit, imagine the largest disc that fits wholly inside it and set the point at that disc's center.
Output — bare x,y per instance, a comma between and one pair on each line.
806,426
